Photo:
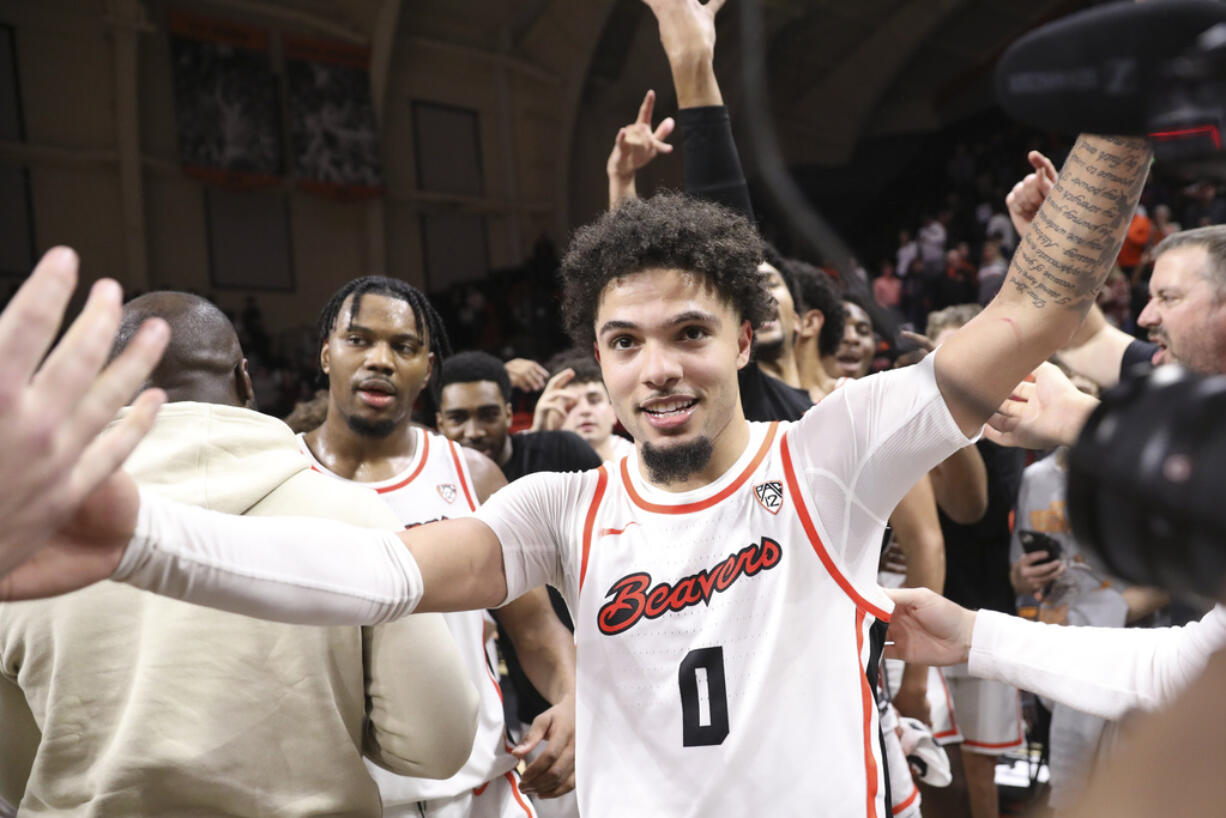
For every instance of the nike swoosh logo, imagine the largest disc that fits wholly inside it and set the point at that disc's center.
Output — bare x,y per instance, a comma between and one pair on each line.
612,532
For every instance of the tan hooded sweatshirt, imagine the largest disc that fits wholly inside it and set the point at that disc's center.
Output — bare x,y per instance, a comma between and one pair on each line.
151,706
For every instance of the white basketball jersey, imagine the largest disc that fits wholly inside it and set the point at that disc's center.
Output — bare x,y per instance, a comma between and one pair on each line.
437,486
719,634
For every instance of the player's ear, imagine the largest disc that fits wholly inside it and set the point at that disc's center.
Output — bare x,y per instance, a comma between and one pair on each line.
596,351
811,323
744,343
324,358
510,413
242,385
429,366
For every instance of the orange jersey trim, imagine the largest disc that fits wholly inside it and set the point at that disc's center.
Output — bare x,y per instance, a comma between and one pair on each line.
1021,735
806,522
602,482
910,800
866,700
949,707
459,470
425,455
699,505
510,776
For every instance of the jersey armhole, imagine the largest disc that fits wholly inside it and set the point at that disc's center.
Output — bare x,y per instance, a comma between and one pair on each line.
819,547
589,522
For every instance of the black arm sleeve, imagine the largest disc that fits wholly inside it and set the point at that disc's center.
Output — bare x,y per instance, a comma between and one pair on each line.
712,166
1138,352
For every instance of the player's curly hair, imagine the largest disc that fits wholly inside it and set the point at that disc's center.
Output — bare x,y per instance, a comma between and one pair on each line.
423,312
667,231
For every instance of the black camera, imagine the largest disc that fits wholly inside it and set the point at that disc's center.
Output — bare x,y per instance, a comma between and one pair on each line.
1150,69
1147,481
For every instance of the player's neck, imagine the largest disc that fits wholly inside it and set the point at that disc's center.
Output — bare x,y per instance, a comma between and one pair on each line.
783,367
813,376
360,457
728,447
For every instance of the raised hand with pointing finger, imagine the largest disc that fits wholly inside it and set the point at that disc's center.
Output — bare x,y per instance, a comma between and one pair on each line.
1029,194
636,145
555,403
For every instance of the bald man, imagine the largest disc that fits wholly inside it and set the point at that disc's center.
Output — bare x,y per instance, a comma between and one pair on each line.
129,704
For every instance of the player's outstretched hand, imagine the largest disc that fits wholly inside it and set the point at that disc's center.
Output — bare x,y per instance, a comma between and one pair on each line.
687,28
59,471
527,375
1029,194
1045,410
552,772
927,628
554,404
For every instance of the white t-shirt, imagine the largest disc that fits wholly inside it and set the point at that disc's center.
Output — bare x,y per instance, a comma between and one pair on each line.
725,635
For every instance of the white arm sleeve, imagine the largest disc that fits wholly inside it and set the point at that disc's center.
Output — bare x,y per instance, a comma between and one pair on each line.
538,520
299,570
1102,671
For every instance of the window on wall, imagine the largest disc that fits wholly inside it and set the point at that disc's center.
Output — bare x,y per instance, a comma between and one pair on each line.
17,225
249,239
448,141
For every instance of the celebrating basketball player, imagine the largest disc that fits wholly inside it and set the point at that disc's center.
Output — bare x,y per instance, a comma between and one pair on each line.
380,342
722,579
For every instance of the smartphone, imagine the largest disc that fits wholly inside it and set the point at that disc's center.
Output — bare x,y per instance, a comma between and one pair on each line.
1037,541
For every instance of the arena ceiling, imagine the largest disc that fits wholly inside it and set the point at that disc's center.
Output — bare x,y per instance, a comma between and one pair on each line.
840,70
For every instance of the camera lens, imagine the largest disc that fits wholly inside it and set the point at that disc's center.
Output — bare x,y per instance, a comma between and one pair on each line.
1146,481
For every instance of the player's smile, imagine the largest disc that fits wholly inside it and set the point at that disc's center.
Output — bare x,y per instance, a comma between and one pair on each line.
669,413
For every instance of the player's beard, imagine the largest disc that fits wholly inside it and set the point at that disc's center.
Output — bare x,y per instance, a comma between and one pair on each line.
671,464
370,428
769,350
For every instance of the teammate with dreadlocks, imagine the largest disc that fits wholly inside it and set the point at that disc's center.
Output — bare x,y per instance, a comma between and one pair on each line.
381,345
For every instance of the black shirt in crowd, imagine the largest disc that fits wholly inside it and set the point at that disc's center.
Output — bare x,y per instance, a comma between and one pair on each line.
977,555
558,450
766,398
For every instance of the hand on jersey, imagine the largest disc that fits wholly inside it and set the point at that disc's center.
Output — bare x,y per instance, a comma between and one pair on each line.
1045,410
928,629
552,772
59,469
637,144
1029,194
554,404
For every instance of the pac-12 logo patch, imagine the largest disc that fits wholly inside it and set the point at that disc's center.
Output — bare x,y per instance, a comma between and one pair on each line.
770,495
447,491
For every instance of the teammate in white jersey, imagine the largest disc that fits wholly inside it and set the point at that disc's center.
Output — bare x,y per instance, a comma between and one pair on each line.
379,338
725,624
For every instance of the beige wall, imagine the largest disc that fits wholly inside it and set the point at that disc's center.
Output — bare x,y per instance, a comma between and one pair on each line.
67,57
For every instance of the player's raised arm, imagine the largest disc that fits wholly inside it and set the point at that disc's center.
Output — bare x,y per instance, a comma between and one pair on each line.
1062,261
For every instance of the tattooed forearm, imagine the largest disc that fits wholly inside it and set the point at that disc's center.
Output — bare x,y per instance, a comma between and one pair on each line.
1077,233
